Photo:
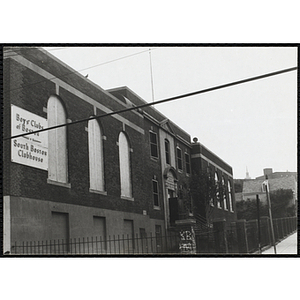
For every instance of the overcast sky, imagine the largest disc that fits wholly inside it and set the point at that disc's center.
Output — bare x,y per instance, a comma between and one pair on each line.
252,125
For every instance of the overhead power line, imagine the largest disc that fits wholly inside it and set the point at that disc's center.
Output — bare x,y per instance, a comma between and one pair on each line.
74,72
12,52
218,87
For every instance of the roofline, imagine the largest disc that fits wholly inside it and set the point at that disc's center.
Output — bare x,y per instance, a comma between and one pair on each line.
201,145
152,107
80,75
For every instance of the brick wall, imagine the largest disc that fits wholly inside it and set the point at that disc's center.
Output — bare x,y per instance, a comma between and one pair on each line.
31,91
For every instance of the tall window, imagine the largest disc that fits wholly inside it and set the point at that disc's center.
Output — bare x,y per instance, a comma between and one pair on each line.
224,193
96,156
187,163
167,151
153,144
210,176
230,196
155,192
57,141
179,158
217,190
125,170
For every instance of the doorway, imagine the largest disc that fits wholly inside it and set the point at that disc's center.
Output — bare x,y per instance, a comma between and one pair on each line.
173,207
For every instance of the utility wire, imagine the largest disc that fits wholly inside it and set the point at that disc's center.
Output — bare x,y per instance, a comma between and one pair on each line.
12,52
162,101
74,72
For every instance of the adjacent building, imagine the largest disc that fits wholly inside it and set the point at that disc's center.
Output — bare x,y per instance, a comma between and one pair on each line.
248,188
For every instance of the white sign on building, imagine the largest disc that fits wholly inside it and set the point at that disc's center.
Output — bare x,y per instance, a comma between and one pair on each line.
31,150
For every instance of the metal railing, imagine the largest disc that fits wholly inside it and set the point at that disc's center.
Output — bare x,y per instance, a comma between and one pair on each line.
205,239
258,239
113,245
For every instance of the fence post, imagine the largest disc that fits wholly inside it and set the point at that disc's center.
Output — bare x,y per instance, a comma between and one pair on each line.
284,227
290,225
281,229
234,240
219,227
276,230
266,224
242,236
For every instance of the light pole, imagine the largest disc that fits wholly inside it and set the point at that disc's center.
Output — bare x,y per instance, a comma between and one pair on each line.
258,223
266,184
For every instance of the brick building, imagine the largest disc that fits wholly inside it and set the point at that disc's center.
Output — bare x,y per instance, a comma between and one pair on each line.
125,173
276,181
222,207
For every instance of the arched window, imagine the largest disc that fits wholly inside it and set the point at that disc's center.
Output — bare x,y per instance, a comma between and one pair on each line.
96,156
230,196
224,193
125,170
210,179
217,190
167,151
57,141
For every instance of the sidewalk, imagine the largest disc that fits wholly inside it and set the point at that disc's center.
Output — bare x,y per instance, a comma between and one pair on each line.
287,246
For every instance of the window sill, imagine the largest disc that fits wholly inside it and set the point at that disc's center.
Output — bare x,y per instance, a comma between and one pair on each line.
98,192
153,158
63,184
127,198
156,208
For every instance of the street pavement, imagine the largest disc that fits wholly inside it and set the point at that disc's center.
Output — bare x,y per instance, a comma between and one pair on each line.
287,246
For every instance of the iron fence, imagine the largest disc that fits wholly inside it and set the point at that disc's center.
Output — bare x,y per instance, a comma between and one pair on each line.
259,239
252,235
254,239
113,245
206,241
231,238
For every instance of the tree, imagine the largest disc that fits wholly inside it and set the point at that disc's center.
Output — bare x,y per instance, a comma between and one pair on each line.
247,209
203,192
281,203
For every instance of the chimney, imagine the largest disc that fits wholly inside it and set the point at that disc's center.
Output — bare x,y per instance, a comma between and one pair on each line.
268,171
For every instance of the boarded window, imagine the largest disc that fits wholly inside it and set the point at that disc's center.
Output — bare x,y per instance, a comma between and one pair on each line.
57,141
100,233
125,170
129,236
60,232
96,165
